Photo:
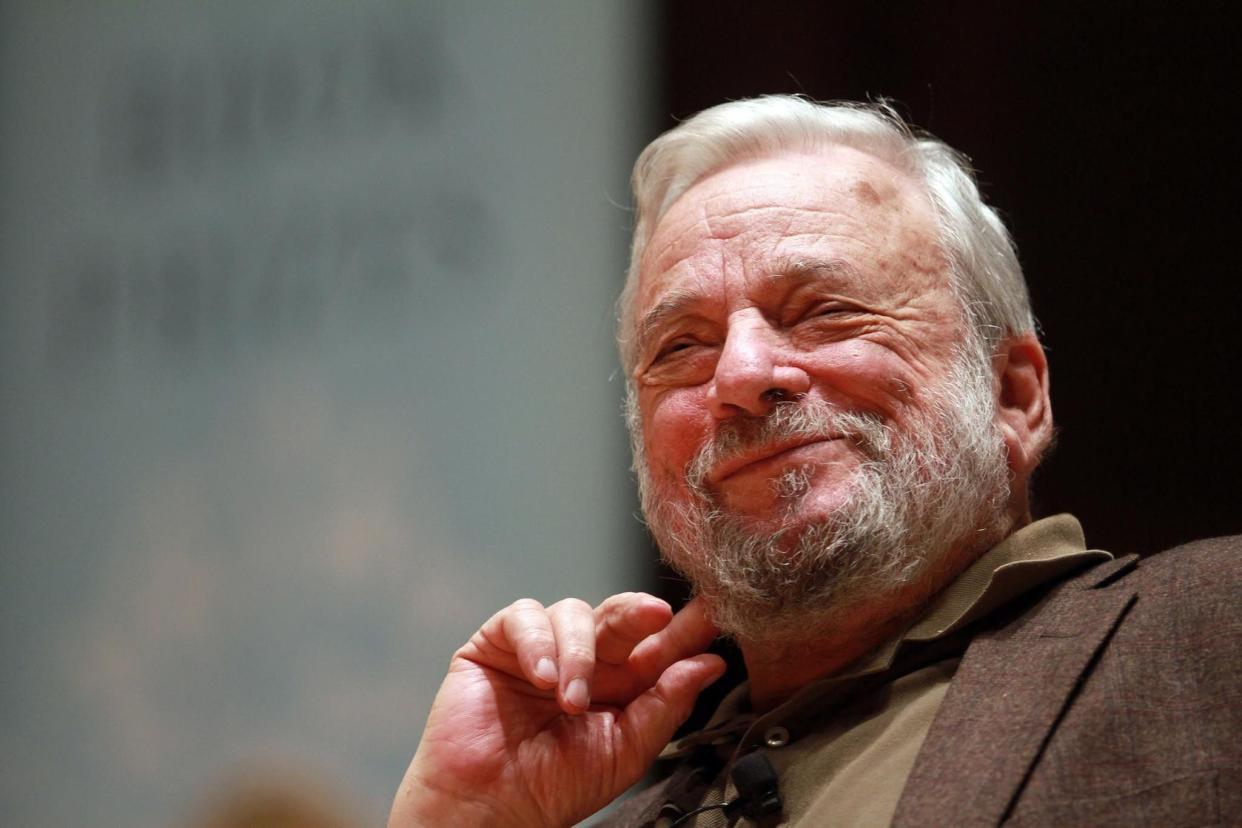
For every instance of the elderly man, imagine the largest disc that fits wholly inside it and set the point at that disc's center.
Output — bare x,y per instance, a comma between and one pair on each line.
837,399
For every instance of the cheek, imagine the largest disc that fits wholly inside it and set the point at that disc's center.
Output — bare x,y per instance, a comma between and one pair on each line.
675,426
864,375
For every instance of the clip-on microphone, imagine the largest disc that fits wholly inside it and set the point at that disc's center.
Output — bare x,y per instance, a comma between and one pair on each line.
758,793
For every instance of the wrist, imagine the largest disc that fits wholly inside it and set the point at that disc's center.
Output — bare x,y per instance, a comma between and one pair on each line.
422,804
426,809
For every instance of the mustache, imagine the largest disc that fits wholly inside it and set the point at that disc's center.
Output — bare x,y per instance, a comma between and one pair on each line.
791,420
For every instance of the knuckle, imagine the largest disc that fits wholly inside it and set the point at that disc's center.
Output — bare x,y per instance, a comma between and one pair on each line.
534,639
608,615
570,605
577,653
633,611
621,610
526,605
661,695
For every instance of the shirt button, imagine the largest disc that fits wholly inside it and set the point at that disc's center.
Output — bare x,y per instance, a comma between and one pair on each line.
776,737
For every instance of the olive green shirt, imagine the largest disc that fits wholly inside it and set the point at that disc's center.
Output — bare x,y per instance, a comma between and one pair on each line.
843,746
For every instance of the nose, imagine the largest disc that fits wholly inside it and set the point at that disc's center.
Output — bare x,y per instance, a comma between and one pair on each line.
753,372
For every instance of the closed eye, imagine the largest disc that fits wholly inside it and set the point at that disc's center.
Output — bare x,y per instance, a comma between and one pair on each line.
675,347
826,309
681,361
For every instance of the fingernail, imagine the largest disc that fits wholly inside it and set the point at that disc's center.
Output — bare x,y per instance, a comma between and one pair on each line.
546,670
577,694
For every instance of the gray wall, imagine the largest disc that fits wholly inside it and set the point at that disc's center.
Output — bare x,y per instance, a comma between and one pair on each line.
306,318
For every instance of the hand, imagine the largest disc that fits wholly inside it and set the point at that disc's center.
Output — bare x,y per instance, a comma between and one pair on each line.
547,715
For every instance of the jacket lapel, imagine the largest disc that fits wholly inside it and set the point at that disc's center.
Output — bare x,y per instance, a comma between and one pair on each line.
1005,700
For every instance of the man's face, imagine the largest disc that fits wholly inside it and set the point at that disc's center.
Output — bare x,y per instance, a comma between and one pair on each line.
795,330
815,275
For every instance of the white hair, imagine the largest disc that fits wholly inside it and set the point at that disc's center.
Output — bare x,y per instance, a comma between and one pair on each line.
985,274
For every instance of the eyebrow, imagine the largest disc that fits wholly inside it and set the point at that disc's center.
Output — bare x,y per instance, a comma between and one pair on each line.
784,270
803,269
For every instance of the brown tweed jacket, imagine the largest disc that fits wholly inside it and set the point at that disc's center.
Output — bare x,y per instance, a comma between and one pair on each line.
1113,699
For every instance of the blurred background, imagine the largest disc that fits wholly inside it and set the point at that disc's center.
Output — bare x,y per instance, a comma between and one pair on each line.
305,340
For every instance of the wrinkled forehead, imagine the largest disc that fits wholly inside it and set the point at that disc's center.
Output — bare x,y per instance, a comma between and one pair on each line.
837,195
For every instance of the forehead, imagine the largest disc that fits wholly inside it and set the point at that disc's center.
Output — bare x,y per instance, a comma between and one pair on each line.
835,202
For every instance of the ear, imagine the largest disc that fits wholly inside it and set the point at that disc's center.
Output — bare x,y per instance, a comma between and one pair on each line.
1023,405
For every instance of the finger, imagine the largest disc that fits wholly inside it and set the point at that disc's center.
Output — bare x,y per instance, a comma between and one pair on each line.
688,634
517,640
624,620
573,624
651,719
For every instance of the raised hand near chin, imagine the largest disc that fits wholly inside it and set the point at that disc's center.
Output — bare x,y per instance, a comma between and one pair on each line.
548,714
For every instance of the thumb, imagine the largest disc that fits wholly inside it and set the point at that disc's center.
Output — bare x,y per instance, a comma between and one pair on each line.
651,719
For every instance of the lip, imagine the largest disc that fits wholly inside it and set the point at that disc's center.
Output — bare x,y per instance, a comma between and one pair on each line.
734,465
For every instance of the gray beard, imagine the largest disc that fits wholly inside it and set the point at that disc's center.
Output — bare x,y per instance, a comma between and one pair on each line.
919,497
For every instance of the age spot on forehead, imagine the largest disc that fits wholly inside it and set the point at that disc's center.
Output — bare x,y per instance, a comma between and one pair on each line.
922,254
866,193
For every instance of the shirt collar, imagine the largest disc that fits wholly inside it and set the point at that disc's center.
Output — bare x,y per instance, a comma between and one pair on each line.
1036,554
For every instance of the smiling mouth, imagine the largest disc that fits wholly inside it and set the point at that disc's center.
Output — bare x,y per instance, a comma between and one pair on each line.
742,462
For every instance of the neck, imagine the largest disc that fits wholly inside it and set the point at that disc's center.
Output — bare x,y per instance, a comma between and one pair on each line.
829,643
779,669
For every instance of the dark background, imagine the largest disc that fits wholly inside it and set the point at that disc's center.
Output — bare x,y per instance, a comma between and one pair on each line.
1103,136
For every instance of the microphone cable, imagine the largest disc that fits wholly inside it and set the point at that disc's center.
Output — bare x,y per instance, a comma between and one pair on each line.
758,791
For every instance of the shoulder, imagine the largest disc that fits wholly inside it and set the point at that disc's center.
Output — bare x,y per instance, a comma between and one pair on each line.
1201,572
1210,555
1183,596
